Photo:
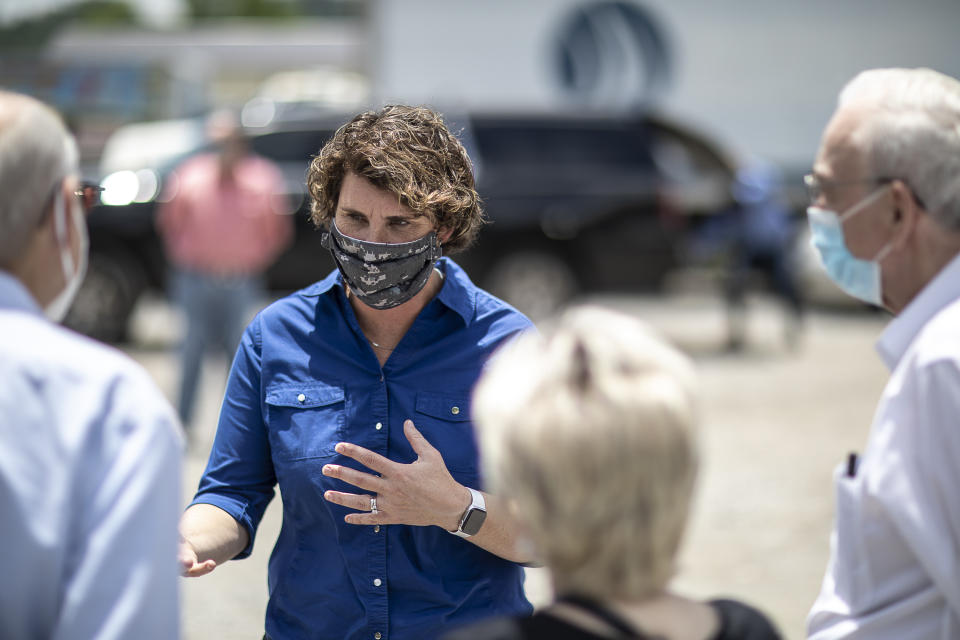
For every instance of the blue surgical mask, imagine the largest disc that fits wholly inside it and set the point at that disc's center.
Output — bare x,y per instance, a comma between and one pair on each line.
856,277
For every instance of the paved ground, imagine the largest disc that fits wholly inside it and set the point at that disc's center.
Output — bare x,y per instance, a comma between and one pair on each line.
776,422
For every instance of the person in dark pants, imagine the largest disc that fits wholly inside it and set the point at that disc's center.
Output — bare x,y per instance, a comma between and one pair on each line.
761,237
224,223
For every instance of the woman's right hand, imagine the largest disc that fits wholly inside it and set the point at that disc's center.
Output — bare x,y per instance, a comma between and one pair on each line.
190,565
211,533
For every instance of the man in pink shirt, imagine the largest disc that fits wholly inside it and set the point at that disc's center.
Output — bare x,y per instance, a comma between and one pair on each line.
225,221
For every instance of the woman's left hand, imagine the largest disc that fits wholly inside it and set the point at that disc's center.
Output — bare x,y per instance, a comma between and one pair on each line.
421,493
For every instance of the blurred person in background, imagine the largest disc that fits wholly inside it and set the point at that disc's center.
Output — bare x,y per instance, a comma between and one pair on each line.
224,223
353,395
89,448
885,217
587,430
763,234
753,237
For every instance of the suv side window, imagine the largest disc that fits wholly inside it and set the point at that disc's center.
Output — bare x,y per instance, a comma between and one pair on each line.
563,144
290,146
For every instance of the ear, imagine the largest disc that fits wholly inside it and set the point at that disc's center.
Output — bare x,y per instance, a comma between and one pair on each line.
49,224
906,212
444,234
44,236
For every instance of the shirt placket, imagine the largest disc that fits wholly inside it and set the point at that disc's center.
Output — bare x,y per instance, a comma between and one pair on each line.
377,549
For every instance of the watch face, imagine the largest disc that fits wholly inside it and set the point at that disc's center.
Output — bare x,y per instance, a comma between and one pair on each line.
474,520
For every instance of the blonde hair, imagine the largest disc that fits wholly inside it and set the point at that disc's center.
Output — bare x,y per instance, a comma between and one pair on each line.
589,428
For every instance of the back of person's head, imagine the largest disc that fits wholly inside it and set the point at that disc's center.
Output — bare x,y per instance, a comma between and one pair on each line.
912,132
410,152
588,427
36,153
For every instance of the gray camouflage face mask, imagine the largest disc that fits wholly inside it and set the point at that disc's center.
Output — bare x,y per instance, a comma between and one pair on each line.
383,275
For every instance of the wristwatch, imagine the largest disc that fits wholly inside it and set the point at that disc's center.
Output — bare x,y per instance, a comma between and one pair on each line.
472,519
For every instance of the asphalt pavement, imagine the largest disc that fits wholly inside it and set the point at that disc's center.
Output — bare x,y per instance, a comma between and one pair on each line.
775,423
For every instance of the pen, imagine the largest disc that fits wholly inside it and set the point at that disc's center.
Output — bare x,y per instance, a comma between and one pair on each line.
852,464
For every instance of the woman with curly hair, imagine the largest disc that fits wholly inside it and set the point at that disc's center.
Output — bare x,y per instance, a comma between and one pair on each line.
353,396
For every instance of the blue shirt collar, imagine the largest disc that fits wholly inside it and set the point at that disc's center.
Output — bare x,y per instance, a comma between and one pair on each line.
14,295
457,293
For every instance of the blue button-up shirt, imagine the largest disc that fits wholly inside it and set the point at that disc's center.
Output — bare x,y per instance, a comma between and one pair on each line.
305,378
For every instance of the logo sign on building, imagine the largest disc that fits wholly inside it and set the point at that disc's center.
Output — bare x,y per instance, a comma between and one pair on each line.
612,54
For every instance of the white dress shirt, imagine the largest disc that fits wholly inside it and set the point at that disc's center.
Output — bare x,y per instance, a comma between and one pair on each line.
90,459
894,570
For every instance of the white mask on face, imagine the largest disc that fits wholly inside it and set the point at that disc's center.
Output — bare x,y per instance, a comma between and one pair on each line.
57,309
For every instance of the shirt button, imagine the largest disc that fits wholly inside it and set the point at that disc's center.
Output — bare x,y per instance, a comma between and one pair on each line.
455,410
379,426
377,582
301,398
376,528
377,636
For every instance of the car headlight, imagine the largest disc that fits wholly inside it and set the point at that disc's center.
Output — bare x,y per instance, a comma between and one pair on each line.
123,187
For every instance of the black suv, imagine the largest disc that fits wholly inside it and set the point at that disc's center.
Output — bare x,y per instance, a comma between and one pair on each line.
576,203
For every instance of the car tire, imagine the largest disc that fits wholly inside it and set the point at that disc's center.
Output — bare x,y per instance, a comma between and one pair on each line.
106,299
537,283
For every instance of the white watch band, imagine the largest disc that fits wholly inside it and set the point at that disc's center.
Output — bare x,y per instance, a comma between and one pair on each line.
477,502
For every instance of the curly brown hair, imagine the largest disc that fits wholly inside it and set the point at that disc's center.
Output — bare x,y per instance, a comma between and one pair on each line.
410,152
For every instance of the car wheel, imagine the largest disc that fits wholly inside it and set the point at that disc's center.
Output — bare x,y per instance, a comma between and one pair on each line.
106,299
535,282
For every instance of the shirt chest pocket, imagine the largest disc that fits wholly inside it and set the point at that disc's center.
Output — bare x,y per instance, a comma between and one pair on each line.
444,420
852,575
305,420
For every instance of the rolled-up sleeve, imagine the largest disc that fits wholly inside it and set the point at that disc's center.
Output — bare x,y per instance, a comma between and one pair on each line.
240,477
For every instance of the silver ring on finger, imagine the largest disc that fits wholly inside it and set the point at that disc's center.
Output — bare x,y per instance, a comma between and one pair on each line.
373,504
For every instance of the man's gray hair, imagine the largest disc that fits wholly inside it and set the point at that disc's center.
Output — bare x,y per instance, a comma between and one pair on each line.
36,153
912,133
588,427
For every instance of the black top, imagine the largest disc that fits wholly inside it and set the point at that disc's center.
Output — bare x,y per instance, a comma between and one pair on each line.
738,621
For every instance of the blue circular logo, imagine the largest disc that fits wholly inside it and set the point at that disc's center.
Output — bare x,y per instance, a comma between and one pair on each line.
612,54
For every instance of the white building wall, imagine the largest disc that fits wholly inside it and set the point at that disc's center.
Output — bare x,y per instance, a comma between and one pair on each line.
761,76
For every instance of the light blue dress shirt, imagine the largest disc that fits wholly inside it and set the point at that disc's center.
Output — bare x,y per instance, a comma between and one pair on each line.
304,379
90,456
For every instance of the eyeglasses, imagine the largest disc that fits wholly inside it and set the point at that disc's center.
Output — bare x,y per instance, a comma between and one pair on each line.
89,194
816,187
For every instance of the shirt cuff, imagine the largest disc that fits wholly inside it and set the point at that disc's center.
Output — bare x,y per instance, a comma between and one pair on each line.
237,510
